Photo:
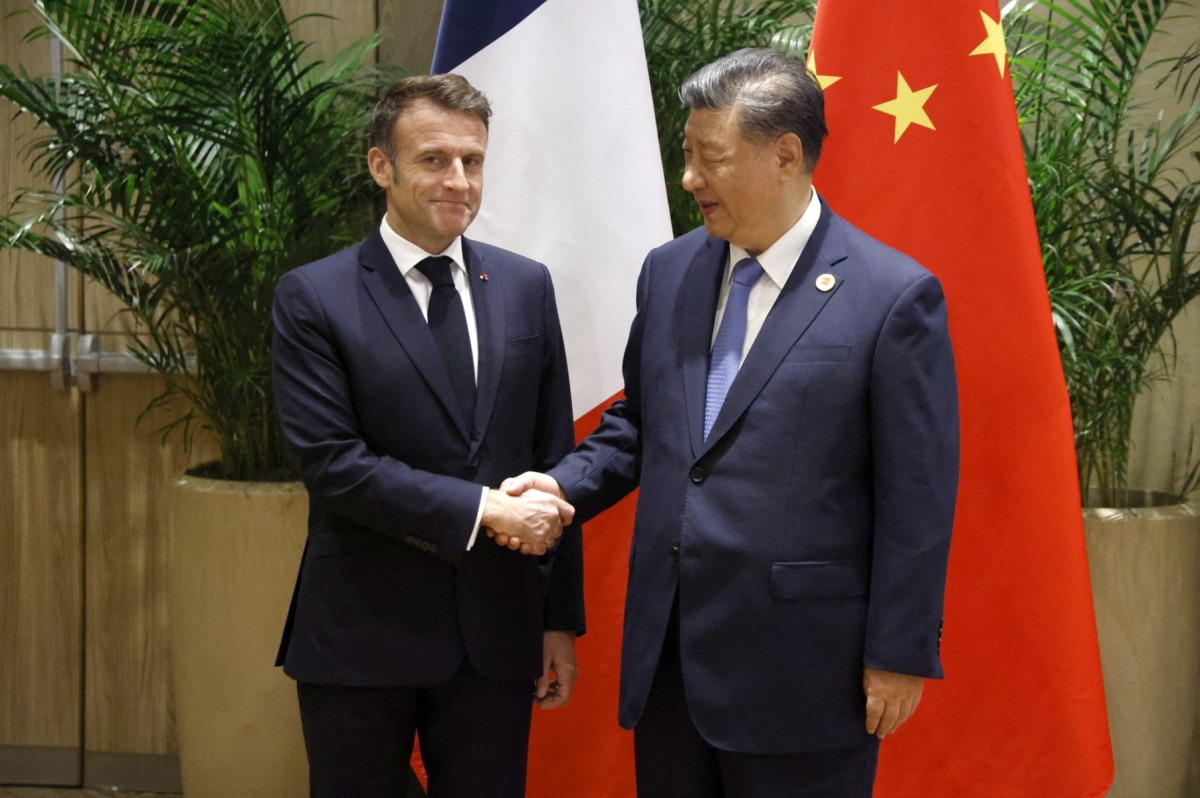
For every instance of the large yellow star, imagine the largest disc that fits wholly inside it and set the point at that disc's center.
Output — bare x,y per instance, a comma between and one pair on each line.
908,107
825,81
994,43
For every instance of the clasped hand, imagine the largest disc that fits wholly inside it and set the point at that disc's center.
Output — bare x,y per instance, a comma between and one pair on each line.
529,519
543,507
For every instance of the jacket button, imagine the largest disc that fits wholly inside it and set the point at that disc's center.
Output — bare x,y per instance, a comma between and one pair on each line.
675,553
697,475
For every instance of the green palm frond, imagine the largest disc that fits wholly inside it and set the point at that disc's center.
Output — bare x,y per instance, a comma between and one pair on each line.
204,153
1115,210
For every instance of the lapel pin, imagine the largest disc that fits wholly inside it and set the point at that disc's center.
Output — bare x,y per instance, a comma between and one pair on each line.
825,282
483,277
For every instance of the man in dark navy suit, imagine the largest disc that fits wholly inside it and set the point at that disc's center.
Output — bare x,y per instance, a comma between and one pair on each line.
413,372
791,418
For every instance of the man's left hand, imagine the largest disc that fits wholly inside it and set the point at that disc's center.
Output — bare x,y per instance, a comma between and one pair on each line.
891,699
559,671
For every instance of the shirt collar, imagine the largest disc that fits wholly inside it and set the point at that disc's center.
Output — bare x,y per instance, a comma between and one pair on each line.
407,255
780,258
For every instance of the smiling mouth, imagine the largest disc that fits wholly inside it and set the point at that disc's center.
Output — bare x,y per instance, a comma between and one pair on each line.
707,208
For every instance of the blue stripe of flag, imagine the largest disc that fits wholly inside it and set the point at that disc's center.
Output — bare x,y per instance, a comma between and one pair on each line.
468,26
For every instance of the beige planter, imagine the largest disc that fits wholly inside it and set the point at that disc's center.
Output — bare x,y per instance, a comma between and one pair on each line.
235,548
1145,568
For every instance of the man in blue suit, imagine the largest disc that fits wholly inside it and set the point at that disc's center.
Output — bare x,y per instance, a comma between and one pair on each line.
791,419
412,371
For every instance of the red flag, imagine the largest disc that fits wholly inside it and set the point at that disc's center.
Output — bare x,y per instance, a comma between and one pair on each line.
580,751
924,153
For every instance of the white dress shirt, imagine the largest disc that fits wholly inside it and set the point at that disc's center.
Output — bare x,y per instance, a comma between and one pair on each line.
406,256
777,263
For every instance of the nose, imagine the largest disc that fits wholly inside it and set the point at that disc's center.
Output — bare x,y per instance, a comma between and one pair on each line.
456,176
692,180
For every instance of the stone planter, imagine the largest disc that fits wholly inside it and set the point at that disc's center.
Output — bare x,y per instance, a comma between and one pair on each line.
1145,569
235,548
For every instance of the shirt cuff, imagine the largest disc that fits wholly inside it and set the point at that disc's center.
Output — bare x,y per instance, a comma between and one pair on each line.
478,518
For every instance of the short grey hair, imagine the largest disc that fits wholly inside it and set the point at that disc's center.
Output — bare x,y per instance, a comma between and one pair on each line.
772,93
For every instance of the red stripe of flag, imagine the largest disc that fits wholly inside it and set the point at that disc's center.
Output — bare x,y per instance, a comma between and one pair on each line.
924,153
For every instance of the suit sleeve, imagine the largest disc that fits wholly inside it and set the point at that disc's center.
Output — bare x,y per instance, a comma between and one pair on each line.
313,394
562,567
914,439
606,466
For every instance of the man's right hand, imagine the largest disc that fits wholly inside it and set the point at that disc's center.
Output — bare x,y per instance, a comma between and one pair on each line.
523,485
530,520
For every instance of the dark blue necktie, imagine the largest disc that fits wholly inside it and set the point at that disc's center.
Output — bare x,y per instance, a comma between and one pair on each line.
448,322
726,353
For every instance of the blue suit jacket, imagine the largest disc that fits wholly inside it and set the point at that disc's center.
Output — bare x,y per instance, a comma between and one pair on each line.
808,535
387,594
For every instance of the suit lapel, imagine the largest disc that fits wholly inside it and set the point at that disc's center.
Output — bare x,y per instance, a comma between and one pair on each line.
488,299
798,304
389,291
696,308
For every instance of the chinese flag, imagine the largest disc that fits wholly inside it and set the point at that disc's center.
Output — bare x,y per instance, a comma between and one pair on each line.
924,153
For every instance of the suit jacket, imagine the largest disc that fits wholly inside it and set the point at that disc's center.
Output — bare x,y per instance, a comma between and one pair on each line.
808,535
387,593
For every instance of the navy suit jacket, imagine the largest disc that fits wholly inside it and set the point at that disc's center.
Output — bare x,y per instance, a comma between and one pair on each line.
387,593
808,535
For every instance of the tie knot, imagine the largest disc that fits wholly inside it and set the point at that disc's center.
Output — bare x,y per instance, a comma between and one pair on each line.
437,270
747,271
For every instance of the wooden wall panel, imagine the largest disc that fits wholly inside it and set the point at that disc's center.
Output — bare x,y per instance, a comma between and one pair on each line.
40,564
127,685
26,281
410,31
344,23
1167,415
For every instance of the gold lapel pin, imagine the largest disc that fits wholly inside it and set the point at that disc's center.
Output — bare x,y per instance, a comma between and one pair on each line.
825,282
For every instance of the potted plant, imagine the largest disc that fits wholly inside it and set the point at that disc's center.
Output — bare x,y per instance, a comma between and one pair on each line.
200,155
1116,210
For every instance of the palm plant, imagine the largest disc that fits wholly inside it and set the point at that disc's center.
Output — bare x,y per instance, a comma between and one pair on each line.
1115,211
683,35
201,155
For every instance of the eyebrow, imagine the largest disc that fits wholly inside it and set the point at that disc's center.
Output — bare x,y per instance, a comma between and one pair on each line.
435,150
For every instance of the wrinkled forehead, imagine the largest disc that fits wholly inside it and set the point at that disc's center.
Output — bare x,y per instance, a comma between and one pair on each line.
425,124
712,127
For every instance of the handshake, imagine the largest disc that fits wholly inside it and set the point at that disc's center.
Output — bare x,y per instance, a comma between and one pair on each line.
527,513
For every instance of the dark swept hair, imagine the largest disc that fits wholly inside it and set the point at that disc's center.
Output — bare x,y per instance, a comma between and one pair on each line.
772,93
449,91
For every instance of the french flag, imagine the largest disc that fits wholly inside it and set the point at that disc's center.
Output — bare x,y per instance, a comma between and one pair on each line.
573,179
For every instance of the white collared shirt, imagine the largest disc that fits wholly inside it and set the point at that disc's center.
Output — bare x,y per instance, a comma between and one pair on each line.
406,256
777,262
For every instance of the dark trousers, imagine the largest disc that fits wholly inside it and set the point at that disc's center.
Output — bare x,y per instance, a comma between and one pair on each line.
474,737
674,761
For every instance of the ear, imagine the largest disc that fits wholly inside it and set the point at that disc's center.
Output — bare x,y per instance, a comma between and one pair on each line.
789,153
380,166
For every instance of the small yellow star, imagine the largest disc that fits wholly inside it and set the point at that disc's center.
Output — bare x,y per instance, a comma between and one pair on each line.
908,107
825,81
994,43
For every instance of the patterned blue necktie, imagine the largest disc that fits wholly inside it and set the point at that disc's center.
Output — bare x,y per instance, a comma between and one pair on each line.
726,353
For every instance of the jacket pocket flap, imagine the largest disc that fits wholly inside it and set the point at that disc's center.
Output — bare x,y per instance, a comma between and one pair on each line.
817,354
327,543
521,346
817,580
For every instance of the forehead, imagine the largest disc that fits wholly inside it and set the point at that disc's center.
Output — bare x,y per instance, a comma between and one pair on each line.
710,127
425,124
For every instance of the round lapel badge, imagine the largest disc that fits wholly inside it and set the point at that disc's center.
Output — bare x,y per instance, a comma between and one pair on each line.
825,282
